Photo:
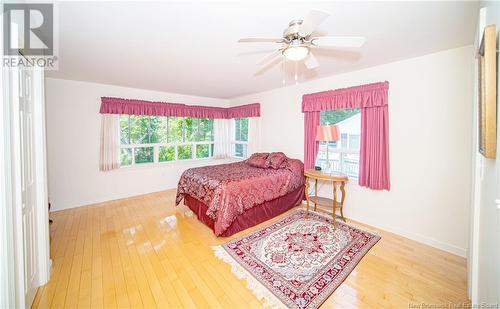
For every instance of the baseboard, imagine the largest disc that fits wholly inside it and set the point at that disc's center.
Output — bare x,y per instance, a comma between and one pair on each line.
462,252
100,201
455,250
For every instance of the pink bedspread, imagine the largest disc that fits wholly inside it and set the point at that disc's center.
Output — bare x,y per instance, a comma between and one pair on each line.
230,189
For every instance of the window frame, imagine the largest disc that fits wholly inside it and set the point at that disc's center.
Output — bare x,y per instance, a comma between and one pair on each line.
156,146
349,141
342,151
235,142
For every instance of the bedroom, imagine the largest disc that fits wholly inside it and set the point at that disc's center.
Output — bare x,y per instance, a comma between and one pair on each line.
169,135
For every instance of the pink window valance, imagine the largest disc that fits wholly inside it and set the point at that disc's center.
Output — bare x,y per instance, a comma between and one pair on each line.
111,105
248,110
369,95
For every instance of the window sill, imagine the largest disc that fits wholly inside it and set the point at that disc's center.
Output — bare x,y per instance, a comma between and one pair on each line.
191,162
237,158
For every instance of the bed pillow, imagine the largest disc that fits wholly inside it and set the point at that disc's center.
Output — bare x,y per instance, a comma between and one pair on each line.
258,159
276,159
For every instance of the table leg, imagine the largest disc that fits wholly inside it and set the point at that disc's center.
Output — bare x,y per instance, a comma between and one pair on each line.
334,202
342,185
315,191
307,193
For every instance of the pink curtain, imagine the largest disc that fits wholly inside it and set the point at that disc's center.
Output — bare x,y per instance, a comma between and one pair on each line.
311,146
141,107
374,154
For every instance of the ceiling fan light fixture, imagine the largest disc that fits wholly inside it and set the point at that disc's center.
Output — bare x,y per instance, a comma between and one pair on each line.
296,53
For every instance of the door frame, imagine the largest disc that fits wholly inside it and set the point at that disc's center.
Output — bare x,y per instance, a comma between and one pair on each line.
7,260
42,200
477,173
12,288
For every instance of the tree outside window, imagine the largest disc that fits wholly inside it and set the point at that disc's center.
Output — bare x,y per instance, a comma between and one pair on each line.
152,139
240,138
343,154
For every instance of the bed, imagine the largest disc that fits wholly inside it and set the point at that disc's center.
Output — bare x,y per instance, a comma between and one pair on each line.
232,197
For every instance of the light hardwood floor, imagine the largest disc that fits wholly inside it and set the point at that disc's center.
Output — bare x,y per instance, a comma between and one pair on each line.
145,252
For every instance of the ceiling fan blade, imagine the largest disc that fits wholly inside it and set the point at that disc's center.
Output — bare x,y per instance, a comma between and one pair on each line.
338,41
268,66
257,52
311,62
338,53
257,40
270,57
312,20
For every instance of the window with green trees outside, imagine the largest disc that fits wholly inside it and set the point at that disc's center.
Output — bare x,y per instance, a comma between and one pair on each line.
240,138
153,139
343,155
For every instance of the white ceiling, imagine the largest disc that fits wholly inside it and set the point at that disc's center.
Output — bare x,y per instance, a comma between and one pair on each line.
191,47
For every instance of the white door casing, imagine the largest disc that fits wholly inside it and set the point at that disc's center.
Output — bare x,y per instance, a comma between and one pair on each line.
28,186
25,262
24,251
25,190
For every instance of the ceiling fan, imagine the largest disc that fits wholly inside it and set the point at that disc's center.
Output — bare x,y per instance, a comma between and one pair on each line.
298,40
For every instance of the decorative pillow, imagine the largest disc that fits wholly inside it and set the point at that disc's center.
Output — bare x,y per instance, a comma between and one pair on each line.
258,159
276,159
285,164
294,165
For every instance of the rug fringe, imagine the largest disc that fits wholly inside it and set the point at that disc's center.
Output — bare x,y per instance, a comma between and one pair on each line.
260,291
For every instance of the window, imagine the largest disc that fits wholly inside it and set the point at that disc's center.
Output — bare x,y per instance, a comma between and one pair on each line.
343,155
240,137
343,140
152,139
354,141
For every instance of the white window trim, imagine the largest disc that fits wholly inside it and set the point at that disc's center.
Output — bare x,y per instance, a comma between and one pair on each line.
235,142
156,149
233,145
156,152
342,151
189,162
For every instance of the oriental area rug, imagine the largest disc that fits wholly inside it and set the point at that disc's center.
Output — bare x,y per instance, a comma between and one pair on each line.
299,261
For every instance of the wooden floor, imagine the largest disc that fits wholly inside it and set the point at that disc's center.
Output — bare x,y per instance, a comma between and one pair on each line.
145,252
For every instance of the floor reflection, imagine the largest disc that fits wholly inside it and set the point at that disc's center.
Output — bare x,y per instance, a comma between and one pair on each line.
170,221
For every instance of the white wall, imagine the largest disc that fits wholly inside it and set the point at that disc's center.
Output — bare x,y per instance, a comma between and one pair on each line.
73,128
430,114
430,125
486,215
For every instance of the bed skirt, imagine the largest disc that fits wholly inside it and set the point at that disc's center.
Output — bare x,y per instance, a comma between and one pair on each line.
252,216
